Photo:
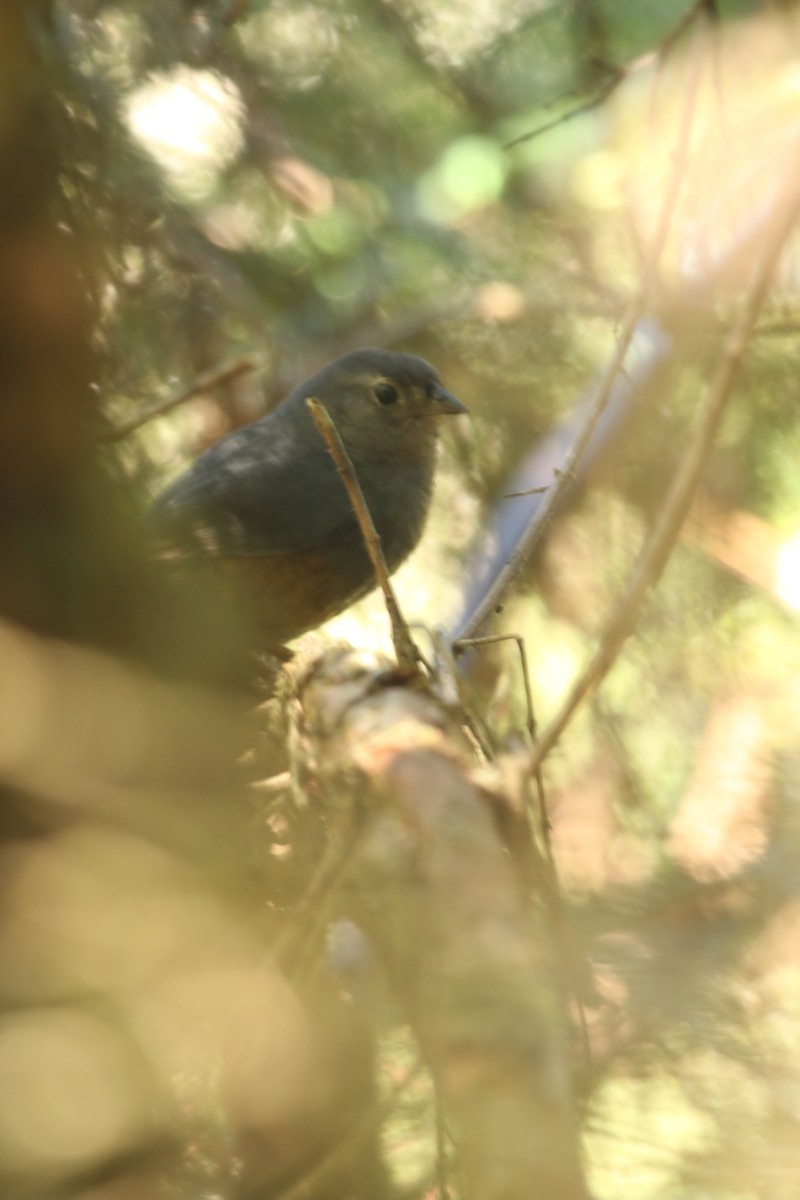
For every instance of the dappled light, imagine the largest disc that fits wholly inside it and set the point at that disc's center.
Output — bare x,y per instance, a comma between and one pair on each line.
190,121
481,883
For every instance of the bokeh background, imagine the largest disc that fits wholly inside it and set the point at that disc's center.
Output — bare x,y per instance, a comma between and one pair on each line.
206,202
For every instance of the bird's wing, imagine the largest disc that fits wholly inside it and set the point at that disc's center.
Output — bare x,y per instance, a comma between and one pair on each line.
258,491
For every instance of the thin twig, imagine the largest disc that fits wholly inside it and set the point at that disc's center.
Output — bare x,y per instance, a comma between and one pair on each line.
667,527
451,690
532,491
540,523
203,383
493,640
620,74
554,891
406,651
600,97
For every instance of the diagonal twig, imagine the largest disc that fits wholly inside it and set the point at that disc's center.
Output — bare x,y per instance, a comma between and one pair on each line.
618,75
203,383
406,651
541,521
595,101
667,526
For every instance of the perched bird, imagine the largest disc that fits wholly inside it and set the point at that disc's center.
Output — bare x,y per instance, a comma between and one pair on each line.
266,511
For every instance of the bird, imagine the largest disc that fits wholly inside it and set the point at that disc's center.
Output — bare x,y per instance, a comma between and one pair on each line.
265,515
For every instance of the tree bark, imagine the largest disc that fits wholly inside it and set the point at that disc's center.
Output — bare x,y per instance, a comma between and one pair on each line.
417,858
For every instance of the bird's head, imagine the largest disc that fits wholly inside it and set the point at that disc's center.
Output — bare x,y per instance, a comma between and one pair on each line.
384,404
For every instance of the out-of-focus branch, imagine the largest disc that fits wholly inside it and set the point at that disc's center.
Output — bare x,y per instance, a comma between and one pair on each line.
618,75
432,882
667,526
473,623
206,382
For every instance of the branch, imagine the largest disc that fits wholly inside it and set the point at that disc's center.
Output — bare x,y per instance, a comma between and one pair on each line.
203,383
666,529
543,517
406,651
431,878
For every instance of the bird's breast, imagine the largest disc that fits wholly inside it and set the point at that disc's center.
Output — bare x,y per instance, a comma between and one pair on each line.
398,498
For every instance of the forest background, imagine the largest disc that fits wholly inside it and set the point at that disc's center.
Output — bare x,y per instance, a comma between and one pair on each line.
552,202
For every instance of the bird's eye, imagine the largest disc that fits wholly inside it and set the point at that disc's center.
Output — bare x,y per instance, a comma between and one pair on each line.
386,393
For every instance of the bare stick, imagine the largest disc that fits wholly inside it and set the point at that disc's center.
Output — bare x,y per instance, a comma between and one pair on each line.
451,691
667,526
532,536
494,640
203,383
406,651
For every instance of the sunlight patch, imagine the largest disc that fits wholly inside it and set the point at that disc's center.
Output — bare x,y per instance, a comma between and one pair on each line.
190,122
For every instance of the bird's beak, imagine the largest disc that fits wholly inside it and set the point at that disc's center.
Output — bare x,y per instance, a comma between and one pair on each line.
445,404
